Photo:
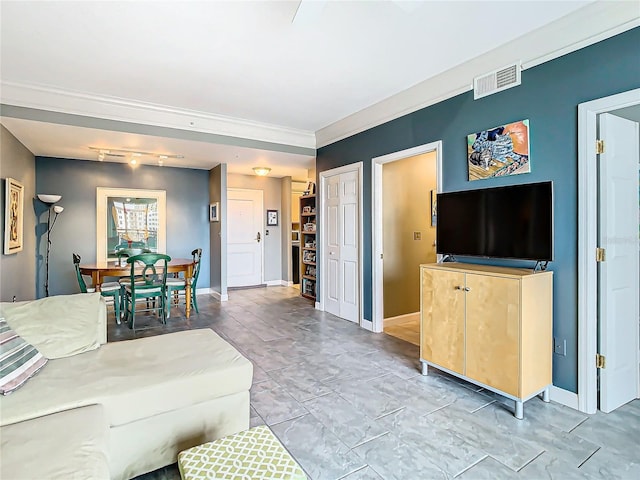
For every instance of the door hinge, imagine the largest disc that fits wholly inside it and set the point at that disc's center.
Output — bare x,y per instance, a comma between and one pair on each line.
601,361
599,146
600,254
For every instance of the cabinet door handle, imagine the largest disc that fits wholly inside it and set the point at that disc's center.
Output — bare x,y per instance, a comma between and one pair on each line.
467,289
459,287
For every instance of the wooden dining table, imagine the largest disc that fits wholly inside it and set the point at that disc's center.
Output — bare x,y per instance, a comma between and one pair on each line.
98,271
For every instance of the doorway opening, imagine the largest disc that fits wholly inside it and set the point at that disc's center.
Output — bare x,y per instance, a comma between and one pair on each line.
409,240
608,219
405,185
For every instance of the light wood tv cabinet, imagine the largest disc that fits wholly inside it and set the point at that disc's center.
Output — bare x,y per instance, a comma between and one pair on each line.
491,326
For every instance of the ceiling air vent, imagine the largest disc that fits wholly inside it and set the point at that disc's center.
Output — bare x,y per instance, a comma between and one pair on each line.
496,81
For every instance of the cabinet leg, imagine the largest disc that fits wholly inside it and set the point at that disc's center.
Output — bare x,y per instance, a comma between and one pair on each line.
519,414
425,368
546,395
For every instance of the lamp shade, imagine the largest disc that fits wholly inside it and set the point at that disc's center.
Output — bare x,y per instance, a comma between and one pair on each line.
58,209
48,198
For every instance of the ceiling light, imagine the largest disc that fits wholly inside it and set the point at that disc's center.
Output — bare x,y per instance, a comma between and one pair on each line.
133,161
101,156
261,171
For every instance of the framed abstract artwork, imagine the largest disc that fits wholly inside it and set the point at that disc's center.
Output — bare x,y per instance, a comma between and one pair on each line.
214,212
499,151
272,218
13,216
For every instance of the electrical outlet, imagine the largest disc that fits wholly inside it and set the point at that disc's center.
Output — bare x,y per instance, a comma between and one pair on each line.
417,235
559,346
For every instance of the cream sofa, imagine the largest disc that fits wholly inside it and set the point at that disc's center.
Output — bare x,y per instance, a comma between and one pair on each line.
115,410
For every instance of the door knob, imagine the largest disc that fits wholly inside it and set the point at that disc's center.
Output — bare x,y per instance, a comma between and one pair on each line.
258,237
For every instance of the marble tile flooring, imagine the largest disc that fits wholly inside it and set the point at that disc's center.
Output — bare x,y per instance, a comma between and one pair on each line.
349,404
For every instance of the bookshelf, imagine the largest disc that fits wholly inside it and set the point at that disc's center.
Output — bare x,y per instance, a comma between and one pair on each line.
308,244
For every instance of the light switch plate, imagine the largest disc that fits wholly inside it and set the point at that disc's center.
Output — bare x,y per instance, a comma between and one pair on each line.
417,235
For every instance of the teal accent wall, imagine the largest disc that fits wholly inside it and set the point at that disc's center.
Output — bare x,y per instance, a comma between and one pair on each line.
75,230
549,98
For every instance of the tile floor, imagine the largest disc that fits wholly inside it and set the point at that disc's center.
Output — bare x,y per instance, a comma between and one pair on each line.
349,404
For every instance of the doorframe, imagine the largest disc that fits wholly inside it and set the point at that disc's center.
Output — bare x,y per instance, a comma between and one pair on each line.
261,228
352,167
588,112
377,220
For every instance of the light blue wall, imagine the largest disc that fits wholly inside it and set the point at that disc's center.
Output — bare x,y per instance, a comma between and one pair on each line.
549,96
75,231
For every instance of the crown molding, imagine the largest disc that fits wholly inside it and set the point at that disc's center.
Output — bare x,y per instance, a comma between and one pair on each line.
591,24
45,98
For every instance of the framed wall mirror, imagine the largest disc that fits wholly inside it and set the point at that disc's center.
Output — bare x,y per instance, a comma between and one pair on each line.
130,219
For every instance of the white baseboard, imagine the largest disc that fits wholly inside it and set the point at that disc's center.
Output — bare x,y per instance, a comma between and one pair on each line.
203,291
318,306
218,296
278,283
401,319
564,397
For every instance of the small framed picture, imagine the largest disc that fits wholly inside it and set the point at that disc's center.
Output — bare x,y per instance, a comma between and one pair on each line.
214,212
272,218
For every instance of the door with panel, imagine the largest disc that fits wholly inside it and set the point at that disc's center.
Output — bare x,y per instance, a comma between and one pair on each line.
493,331
618,274
244,238
442,324
341,262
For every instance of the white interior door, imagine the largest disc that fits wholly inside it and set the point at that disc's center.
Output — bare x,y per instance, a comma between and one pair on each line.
618,276
341,263
244,237
332,260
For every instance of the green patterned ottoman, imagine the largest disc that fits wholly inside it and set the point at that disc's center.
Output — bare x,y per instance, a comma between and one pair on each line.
249,455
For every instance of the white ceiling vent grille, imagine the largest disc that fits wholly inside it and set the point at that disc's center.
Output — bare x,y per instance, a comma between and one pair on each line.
496,81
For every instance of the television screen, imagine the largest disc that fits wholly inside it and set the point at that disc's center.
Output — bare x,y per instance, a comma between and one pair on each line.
502,222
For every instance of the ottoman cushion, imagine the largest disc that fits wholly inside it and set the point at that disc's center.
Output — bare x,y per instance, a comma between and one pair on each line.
254,453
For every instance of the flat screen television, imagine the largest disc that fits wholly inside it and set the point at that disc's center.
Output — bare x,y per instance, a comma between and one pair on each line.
502,222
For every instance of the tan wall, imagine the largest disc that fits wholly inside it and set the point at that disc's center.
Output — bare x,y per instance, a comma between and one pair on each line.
406,198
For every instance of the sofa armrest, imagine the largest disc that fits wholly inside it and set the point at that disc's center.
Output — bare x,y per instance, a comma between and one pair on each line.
102,321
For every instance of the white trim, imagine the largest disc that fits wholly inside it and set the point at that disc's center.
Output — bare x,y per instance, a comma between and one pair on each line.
204,291
367,325
593,23
262,229
587,241
317,306
103,193
399,319
352,167
126,110
563,397
278,283
218,296
376,219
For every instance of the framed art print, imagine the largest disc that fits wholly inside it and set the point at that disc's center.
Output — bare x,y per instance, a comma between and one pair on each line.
272,218
214,212
13,216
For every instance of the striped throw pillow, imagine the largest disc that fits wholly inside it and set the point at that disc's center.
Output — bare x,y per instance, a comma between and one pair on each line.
19,361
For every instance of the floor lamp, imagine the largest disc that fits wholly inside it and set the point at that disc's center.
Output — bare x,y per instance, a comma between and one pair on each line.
50,201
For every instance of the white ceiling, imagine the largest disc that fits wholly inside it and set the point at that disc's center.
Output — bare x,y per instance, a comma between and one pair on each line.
239,67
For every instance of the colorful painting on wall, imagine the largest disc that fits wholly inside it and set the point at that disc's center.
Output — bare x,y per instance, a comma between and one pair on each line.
13,216
499,151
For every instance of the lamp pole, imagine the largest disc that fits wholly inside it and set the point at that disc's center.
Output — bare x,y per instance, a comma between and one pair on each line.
50,200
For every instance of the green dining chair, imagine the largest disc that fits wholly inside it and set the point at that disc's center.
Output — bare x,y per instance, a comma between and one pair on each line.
107,289
177,286
149,285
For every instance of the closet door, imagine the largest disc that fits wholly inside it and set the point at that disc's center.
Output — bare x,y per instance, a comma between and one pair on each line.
493,331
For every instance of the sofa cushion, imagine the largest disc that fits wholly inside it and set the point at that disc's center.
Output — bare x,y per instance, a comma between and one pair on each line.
19,360
58,326
135,379
69,445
